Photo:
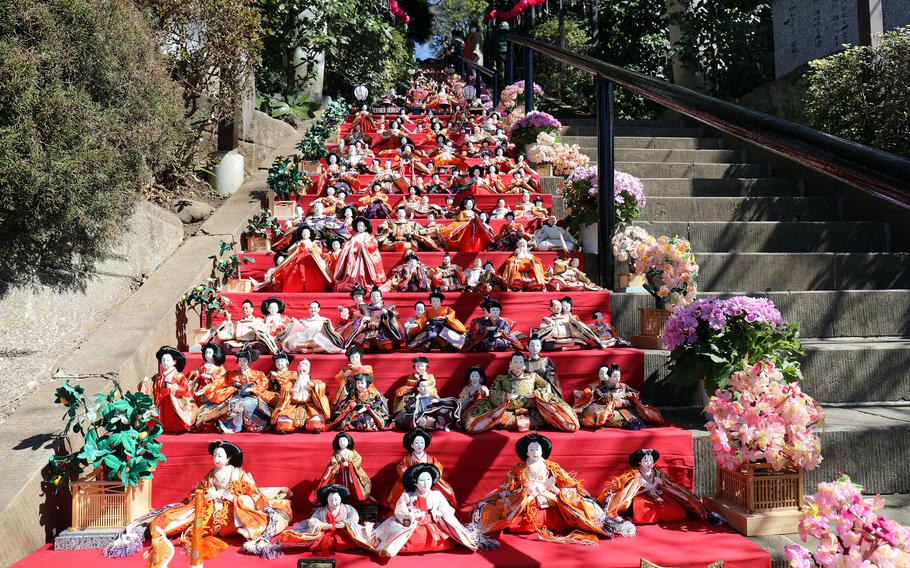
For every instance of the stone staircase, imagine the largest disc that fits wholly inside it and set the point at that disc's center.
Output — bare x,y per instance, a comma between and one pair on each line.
838,274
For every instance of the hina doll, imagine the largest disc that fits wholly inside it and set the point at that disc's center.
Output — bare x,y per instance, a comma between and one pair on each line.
565,275
611,403
377,328
236,334
520,183
447,277
649,493
543,366
408,163
440,101
375,204
172,393
421,373
444,156
490,332
434,232
329,201
522,165
416,442
520,400
436,185
423,520
345,468
348,314
539,496
494,180
388,177
240,401
354,367
523,272
360,408
468,233
234,505
325,226
313,334
335,173
364,119
475,389
552,237
211,370
472,275
477,184
510,233
410,202
500,211
422,407
502,162
275,321
563,331
437,327
606,332
305,269
333,525
359,261
302,402
423,210
402,234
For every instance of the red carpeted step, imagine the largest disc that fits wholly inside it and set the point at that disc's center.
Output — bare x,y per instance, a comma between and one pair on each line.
576,369
263,261
483,202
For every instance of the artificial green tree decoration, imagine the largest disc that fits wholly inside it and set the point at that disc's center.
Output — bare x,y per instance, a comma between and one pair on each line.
206,300
228,265
119,433
262,224
286,178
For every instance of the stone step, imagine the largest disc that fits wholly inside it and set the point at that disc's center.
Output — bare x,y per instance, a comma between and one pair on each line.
741,209
669,143
775,236
649,155
723,187
689,170
831,314
635,131
590,121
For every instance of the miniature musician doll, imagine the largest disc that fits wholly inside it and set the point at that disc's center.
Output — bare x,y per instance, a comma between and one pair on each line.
240,401
524,271
606,332
543,366
437,327
422,408
361,408
520,400
211,370
475,389
448,277
313,334
490,280
423,521
611,403
333,526
421,372
416,443
377,328
490,332
171,391
302,403
234,505
403,234
539,496
345,468
354,367
275,320
562,331
649,493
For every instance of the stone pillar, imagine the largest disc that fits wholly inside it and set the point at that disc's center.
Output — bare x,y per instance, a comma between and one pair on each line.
681,75
313,89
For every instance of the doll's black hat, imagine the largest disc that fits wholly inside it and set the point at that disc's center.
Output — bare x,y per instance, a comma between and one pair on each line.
282,355
358,290
179,358
360,218
248,352
521,446
474,168
421,360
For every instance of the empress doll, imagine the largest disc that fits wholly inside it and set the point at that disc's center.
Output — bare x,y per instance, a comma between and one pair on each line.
566,276
364,119
240,401
354,366
313,334
520,400
539,496
234,505
415,444
360,408
475,388
437,327
345,468
302,402
275,321
509,234
359,261
490,332
611,403
562,330
212,368
423,520
421,407
468,233
378,327
410,276
304,269
172,393
523,272
333,525
649,493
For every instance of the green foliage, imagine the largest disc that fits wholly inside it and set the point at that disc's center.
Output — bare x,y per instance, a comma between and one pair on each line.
451,15
206,300
228,265
88,119
296,107
286,178
863,94
119,433
262,224
570,85
335,112
728,43
312,147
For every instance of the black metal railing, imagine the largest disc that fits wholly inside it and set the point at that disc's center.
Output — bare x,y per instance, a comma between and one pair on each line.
479,72
878,173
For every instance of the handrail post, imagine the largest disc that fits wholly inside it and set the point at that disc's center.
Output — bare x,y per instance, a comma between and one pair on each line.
510,63
477,81
496,88
529,80
605,181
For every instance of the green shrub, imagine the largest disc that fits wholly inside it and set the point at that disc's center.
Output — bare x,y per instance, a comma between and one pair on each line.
572,86
88,117
863,94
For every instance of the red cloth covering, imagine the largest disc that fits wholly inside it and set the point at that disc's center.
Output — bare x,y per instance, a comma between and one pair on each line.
575,369
484,202
688,545
263,261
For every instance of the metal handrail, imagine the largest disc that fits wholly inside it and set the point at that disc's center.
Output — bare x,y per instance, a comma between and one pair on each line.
481,70
878,173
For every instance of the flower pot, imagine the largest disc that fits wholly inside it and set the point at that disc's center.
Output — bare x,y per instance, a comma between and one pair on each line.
108,504
545,170
589,238
283,209
256,243
238,285
756,500
651,328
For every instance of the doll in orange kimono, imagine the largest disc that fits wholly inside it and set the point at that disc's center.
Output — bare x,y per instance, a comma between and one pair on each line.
649,493
611,403
539,496
523,271
375,204
172,393
233,506
359,261
302,403
345,468
332,526
509,233
416,443
421,373
211,370
304,269
438,327
468,233
240,401
423,520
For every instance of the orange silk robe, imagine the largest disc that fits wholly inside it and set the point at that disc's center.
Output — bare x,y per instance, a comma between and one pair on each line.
341,379
291,414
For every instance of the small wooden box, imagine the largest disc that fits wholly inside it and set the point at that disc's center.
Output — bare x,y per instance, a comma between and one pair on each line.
284,209
255,243
651,326
545,170
238,285
108,504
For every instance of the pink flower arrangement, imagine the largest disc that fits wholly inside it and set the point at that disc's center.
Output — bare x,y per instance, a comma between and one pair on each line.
763,419
850,531
568,158
510,96
625,242
670,269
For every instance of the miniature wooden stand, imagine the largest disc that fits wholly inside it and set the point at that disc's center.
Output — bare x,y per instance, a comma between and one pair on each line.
255,243
238,285
545,170
108,505
284,209
651,324
756,500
